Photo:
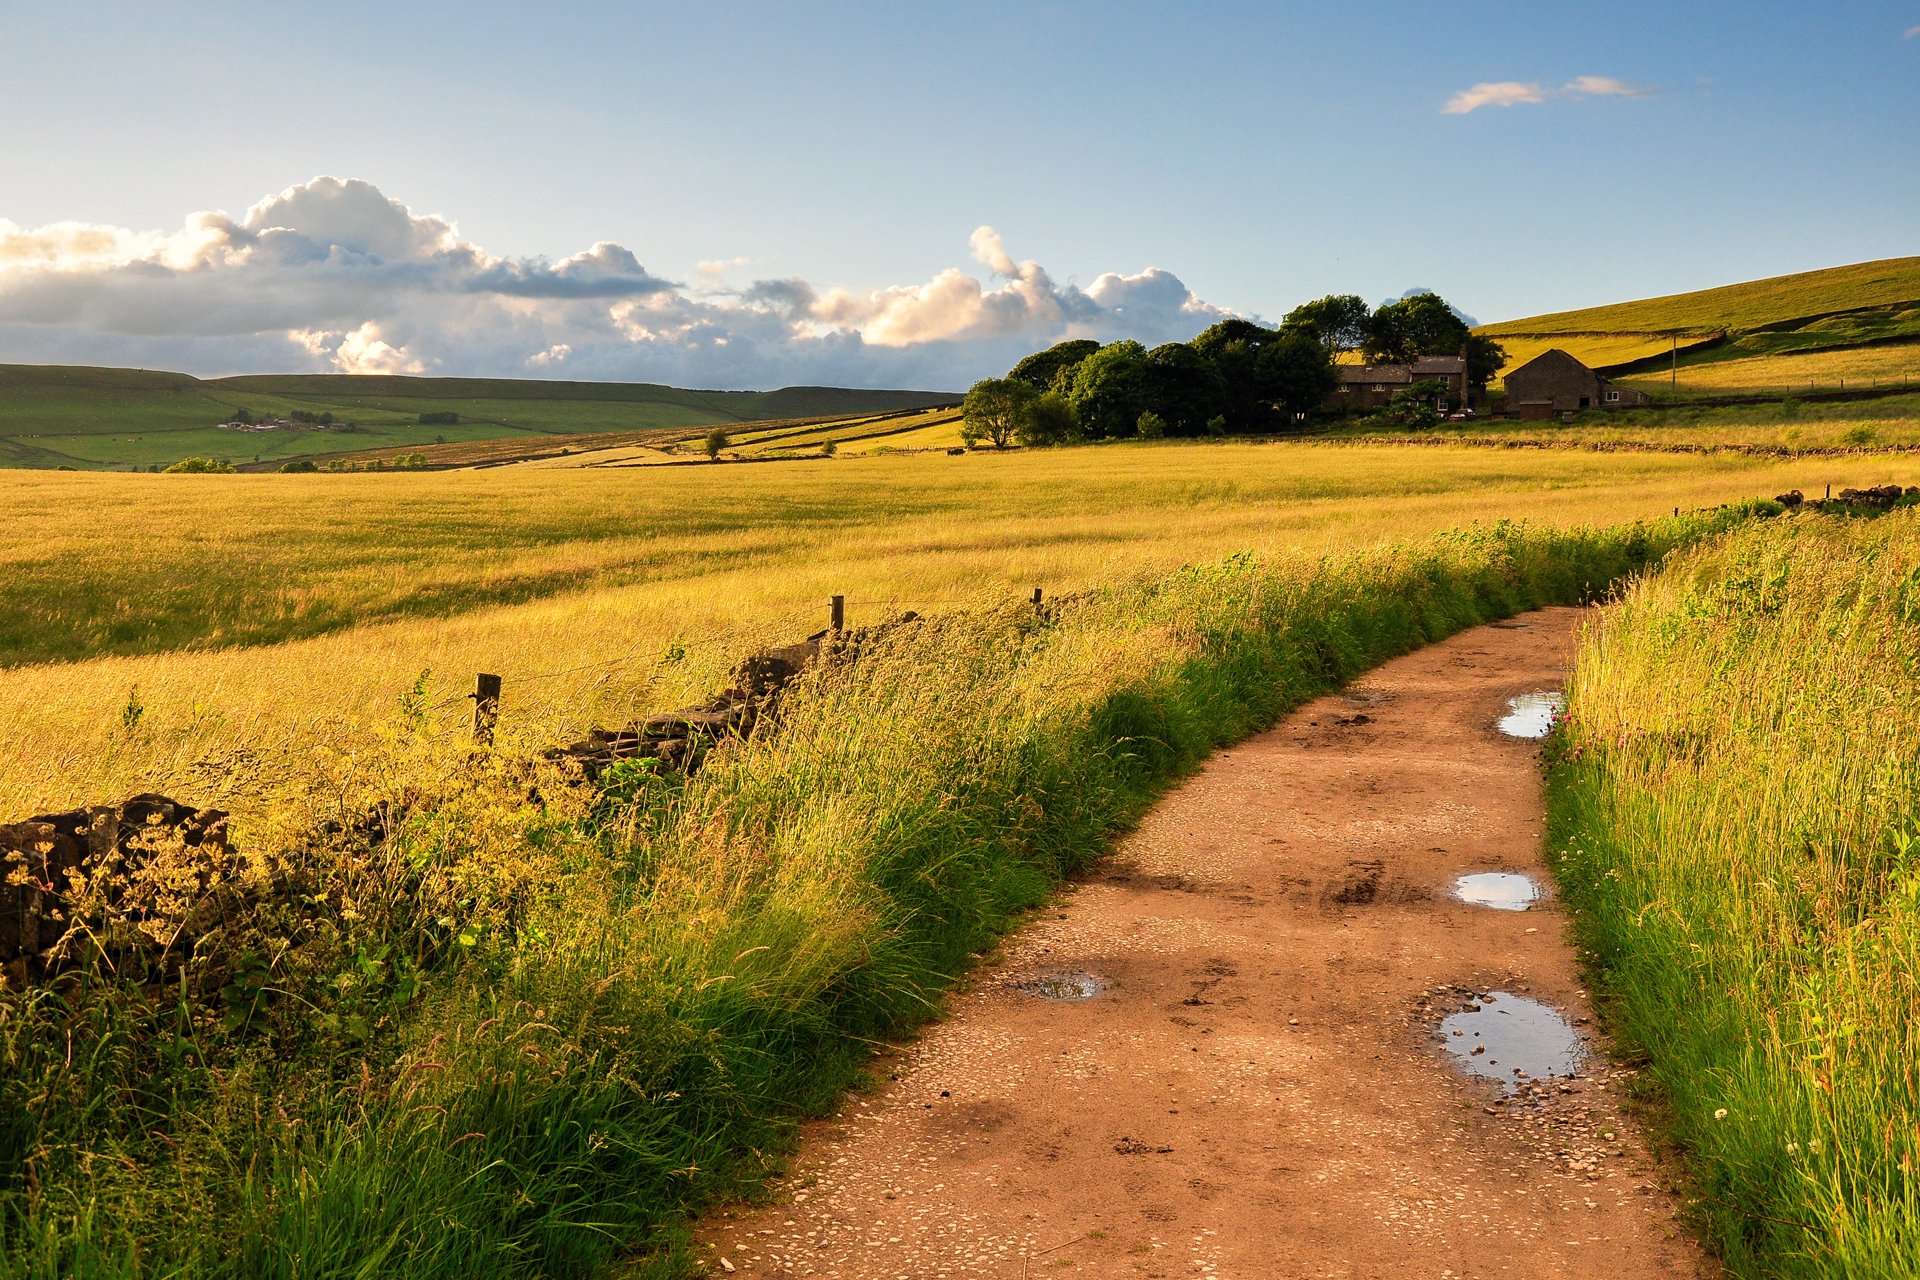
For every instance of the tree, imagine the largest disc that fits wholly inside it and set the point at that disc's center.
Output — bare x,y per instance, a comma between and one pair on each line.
1423,325
1111,389
200,467
1295,371
1049,420
298,466
716,442
1150,426
1234,346
242,415
993,410
1485,357
1052,369
1337,322
1186,388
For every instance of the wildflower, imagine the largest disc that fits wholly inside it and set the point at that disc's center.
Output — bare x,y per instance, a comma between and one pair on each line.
1720,1114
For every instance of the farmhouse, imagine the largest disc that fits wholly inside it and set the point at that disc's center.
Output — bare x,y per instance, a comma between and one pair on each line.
1553,382
1372,386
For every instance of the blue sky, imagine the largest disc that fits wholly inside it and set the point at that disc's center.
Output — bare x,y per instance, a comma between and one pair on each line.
1257,154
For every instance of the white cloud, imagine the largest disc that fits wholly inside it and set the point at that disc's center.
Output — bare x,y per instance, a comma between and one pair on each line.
1910,33
333,275
1511,93
1501,93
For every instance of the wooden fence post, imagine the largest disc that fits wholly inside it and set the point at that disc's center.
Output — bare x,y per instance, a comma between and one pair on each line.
837,613
1036,599
486,707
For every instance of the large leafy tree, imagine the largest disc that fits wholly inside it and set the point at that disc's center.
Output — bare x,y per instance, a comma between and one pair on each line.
1234,347
1337,322
1295,372
1422,325
1187,389
1052,369
1111,389
994,410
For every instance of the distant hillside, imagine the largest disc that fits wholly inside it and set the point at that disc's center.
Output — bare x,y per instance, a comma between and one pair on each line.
96,418
1752,305
1772,337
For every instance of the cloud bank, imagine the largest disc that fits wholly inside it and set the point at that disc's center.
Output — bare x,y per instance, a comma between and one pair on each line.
1514,93
334,276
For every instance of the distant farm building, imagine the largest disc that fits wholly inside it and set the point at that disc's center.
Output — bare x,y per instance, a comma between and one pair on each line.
1373,386
1553,383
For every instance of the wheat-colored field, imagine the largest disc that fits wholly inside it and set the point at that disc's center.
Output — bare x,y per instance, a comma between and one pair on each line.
237,637
1790,373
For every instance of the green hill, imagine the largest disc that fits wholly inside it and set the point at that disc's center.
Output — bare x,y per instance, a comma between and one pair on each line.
1854,327
94,419
1753,305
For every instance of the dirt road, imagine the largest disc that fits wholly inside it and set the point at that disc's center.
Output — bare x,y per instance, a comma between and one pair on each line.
1220,1056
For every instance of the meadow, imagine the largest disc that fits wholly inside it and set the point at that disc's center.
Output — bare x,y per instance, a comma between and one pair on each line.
1882,366
113,419
1751,305
530,1024
261,624
1785,427
1735,823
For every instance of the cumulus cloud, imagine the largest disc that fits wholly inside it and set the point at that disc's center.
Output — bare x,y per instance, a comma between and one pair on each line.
334,275
1513,93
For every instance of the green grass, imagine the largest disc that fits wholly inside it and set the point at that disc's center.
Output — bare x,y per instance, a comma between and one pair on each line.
95,419
1750,305
524,1037
1736,825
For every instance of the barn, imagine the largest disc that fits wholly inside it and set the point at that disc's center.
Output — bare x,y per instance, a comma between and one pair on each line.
1553,383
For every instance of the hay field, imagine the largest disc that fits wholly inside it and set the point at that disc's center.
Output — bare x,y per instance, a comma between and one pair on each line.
1790,373
236,638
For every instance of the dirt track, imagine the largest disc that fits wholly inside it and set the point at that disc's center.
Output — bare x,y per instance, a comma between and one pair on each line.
1260,1091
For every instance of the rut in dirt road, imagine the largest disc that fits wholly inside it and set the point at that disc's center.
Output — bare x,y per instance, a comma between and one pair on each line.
1221,1054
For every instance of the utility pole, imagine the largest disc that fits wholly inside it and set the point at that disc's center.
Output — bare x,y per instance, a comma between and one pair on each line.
1673,380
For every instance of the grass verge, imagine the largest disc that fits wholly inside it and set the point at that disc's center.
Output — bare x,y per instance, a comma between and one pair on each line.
534,1026
1735,821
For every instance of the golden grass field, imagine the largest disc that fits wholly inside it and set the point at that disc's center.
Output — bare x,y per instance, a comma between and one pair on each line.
1789,373
237,637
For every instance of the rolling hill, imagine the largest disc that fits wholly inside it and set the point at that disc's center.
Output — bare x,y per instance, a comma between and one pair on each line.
113,419
1851,327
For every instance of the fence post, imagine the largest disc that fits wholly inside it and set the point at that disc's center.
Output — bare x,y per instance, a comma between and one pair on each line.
837,613
1036,598
486,707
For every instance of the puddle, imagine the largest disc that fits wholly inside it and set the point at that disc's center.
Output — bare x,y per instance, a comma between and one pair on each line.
1510,1038
1064,986
1501,890
1531,715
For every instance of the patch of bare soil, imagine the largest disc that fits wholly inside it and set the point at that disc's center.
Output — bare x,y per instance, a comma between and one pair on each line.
1221,1055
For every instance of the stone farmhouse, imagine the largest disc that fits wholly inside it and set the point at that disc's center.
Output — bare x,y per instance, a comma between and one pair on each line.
1553,383
1373,386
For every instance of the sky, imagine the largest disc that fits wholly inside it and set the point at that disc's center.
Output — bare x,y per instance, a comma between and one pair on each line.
902,194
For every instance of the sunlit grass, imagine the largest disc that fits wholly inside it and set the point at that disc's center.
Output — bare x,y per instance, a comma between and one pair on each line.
270,618
1739,827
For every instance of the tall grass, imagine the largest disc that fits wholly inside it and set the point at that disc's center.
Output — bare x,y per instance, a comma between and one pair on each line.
528,1032
1737,819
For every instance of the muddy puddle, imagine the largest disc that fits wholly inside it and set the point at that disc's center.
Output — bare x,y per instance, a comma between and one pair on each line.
1512,1039
1501,890
1063,986
1531,715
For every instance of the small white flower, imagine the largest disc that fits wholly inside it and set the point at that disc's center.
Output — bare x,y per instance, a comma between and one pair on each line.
1720,1114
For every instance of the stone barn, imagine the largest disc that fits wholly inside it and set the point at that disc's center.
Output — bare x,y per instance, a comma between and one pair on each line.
1553,383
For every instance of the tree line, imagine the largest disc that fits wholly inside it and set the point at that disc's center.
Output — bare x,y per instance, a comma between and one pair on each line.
1236,378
